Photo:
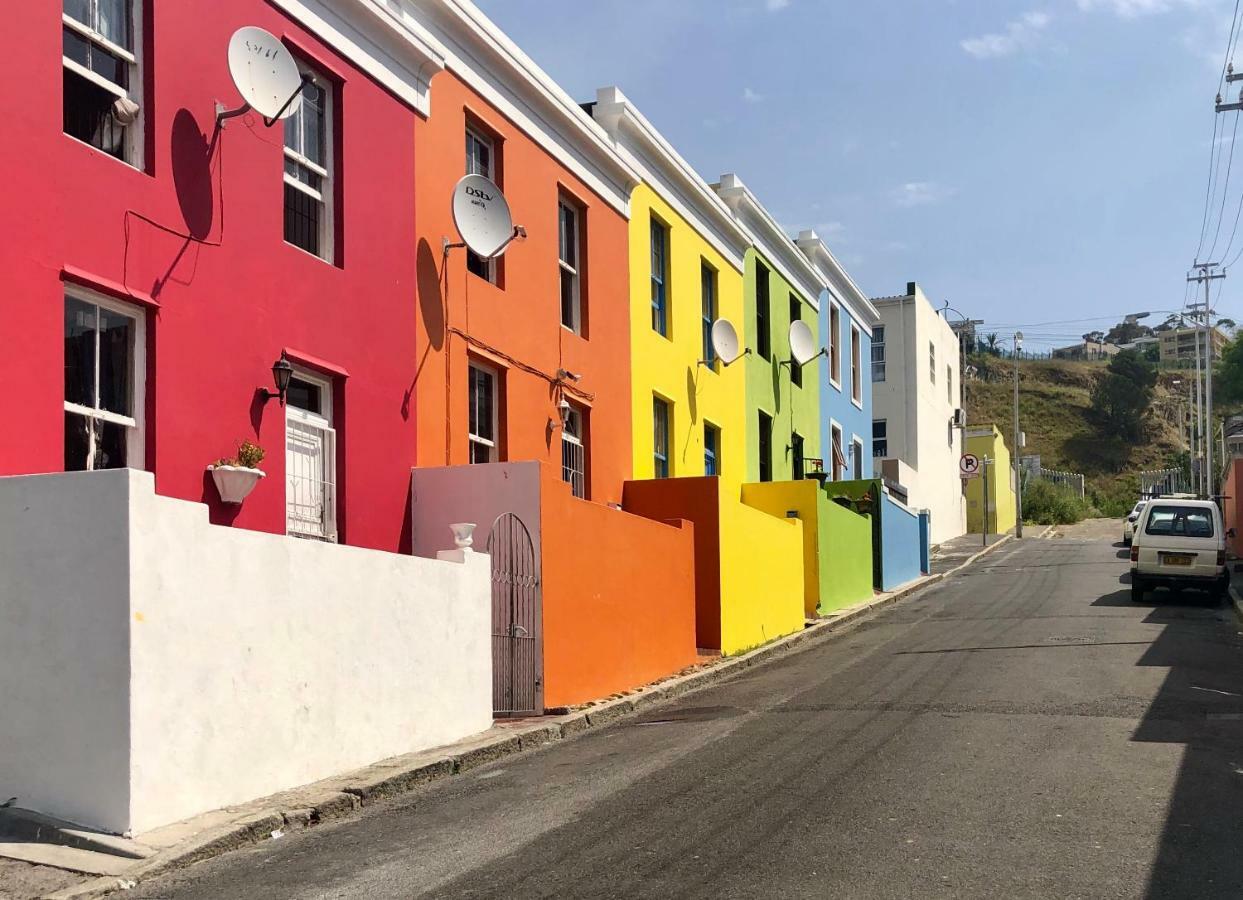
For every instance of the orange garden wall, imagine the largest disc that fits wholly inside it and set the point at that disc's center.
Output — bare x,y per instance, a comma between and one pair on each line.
697,500
1232,505
619,597
515,325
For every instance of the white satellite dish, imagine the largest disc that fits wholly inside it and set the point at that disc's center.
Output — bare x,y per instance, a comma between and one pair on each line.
802,342
725,342
265,74
482,217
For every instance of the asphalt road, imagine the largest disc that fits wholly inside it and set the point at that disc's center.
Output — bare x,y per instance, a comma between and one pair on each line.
1022,730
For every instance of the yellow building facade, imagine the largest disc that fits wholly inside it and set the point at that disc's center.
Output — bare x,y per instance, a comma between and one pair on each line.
986,443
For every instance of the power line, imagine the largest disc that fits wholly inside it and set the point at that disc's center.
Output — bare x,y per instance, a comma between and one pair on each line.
1214,154
1225,190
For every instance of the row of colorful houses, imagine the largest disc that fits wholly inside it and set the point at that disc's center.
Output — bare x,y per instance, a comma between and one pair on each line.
641,501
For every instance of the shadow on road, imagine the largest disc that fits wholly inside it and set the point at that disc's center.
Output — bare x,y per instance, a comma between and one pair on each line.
1199,705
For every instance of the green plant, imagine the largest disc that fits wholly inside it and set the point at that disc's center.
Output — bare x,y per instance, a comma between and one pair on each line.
249,455
1047,503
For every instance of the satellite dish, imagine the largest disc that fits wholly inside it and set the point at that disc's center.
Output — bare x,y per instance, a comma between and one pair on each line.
482,217
265,74
802,342
725,341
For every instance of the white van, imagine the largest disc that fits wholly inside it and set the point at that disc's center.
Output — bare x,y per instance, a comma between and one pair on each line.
1179,543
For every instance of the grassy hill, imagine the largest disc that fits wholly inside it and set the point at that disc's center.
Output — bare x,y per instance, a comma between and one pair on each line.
1054,409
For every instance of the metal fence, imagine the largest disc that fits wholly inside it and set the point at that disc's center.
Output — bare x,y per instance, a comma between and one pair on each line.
1033,471
1164,481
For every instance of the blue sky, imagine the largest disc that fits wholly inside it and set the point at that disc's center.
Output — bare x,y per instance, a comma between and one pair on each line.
1026,162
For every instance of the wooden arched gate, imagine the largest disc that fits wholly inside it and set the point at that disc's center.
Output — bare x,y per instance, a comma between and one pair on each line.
517,620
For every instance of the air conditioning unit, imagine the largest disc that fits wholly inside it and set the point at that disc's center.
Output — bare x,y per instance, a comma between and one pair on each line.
960,418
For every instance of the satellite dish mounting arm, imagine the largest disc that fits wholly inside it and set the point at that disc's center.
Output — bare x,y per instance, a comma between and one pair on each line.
712,362
518,232
823,351
222,113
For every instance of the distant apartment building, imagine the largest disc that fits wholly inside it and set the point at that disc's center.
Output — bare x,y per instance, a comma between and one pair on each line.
916,395
1180,344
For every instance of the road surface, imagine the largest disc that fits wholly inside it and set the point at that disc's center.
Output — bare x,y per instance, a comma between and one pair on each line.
1023,730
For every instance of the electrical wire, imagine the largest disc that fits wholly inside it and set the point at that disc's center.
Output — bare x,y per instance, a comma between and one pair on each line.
1225,190
1214,151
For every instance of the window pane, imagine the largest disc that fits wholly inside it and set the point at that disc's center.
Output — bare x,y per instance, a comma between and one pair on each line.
78,9
79,352
113,22
567,299
116,362
110,445
302,218
477,265
569,236
313,104
304,395
77,442
75,47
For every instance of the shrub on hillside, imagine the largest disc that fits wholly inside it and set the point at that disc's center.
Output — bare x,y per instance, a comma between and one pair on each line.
1046,503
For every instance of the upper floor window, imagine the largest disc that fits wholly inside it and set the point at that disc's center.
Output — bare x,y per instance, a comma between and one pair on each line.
707,291
835,344
949,384
660,278
574,452
766,446
796,314
480,160
660,437
309,169
932,362
796,452
839,456
102,76
569,230
104,379
712,449
856,365
880,438
484,391
763,339
878,353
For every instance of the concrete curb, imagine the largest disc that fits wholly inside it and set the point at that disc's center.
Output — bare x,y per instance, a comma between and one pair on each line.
342,796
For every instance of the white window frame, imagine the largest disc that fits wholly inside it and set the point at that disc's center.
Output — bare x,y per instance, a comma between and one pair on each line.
326,195
667,406
835,345
837,438
872,355
949,384
884,455
572,267
493,444
855,459
856,366
576,477
321,422
932,361
135,133
480,137
136,425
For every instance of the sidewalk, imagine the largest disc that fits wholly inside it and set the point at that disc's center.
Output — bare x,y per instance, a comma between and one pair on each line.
953,553
269,818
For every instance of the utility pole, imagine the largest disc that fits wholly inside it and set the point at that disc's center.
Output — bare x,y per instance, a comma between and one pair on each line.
1018,475
1207,275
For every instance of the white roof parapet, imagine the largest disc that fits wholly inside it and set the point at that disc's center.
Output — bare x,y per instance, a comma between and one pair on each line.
456,35
769,238
840,284
669,175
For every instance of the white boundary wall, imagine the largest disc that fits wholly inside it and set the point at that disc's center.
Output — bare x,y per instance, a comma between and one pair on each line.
157,666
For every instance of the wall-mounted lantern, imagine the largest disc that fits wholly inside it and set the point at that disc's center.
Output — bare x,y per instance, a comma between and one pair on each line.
282,371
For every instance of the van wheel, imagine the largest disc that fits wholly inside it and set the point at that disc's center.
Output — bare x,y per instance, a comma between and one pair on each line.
1137,589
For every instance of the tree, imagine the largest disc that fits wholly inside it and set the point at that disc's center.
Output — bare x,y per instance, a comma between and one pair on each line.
1228,376
1125,332
990,344
1122,399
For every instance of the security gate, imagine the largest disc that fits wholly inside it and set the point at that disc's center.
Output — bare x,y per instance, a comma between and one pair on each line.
517,621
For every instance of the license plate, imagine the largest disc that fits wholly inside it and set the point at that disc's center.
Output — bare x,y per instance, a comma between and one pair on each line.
1177,559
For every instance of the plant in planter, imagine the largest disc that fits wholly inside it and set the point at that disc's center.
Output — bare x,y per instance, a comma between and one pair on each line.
236,476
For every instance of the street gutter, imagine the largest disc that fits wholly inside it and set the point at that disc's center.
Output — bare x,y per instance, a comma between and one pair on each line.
219,832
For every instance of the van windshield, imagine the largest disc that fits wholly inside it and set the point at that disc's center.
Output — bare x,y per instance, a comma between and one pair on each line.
1182,521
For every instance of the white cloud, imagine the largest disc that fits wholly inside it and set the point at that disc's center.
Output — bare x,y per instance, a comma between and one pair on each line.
920,193
776,5
1130,9
751,96
1023,32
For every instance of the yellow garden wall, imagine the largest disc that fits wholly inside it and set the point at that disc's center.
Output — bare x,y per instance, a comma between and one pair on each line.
762,586
669,366
779,497
987,441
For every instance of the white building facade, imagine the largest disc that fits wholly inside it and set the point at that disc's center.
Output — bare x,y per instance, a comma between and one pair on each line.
916,398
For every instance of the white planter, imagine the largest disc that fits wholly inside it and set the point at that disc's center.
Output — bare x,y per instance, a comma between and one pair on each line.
234,483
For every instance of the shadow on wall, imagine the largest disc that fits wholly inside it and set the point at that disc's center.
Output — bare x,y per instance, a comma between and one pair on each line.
1199,705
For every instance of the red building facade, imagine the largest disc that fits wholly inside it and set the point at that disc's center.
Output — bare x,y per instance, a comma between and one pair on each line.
156,267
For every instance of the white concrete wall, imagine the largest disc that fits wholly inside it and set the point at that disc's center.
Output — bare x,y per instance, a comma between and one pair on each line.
256,662
918,409
64,638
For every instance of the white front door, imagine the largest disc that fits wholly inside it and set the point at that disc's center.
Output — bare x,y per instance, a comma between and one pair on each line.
310,459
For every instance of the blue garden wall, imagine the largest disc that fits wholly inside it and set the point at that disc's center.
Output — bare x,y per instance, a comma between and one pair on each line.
901,544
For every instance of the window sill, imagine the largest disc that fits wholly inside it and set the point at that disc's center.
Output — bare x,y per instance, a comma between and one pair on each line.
858,404
836,385
95,151
308,253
